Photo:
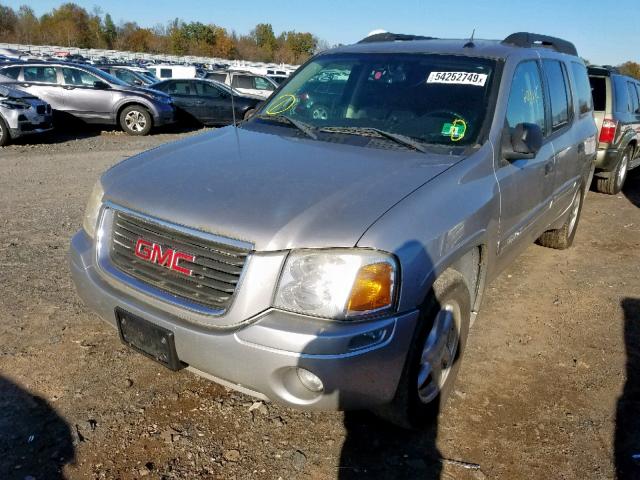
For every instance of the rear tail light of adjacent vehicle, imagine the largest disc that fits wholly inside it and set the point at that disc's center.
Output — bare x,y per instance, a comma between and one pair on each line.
608,130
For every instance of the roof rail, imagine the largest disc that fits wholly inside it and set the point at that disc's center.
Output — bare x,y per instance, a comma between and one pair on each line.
392,37
530,40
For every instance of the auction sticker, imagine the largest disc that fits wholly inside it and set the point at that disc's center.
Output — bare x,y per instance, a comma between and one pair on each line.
458,78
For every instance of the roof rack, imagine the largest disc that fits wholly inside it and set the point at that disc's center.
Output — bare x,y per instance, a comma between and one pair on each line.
393,37
531,40
602,69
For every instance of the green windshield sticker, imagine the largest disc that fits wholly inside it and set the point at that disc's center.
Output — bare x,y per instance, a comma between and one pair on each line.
454,130
282,104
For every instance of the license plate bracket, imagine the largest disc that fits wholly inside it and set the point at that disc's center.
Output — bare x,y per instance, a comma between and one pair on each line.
153,341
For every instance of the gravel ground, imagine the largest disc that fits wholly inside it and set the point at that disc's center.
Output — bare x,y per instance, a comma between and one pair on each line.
548,387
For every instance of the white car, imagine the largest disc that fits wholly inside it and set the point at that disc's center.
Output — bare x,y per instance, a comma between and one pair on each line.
245,82
21,114
164,72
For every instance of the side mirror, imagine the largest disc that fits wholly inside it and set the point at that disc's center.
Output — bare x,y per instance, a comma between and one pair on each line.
100,85
525,141
138,82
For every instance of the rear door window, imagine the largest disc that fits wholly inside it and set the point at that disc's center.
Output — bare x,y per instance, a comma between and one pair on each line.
558,94
40,74
599,93
220,77
583,87
526,100
166,73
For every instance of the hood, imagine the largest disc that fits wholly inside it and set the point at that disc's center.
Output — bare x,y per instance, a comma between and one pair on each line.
149,92
7,91
274,191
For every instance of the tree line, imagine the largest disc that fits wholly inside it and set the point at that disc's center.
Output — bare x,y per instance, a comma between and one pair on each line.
73,26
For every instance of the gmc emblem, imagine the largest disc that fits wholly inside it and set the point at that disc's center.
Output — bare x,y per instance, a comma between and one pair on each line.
169,258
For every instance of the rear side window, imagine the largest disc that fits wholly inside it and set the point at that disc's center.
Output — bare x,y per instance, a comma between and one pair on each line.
40,74
11,72
166,73
634,102
599,93
558,93
583,87
242,81
526,100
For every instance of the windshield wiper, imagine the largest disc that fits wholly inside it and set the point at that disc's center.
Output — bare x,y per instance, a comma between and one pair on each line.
367,131
308,130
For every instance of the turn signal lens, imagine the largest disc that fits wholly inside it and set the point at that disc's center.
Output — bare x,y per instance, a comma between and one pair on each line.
373,288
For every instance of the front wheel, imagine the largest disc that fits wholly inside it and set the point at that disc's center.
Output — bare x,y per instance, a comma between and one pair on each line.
5,136
614,183
135,120
434,357
562,237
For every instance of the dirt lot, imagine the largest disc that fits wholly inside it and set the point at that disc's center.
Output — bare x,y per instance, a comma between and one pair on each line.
549,387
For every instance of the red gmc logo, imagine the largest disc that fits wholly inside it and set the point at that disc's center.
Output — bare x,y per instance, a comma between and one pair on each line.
152,252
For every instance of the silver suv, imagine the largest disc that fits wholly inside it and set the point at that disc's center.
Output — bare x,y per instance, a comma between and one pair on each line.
340,263
93,95
21,114
616,100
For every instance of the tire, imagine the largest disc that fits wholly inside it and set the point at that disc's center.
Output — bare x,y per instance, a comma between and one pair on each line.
614,183
562,237
249,113
136,120
420,395
5,135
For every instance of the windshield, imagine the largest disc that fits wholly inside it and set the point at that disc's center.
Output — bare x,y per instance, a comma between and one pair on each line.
435,99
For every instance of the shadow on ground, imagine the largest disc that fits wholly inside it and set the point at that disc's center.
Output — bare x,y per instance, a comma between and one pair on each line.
631,187
34,440
374,449
627,436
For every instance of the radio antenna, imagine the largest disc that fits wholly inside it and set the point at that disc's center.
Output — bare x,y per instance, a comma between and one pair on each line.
233,107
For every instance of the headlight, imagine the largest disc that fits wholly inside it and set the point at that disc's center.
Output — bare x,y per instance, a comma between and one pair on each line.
15,104
93,209
337,284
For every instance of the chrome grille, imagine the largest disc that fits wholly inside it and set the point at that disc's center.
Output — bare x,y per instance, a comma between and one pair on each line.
216,268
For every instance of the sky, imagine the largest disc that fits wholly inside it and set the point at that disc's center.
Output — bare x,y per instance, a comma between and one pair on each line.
601,40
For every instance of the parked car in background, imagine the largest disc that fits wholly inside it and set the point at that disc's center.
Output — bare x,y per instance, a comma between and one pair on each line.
338,263
136,76
21,114
163,72
616,99
92,95
208,101
244,82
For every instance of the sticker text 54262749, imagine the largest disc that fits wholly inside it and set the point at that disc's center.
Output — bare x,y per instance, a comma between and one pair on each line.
458,78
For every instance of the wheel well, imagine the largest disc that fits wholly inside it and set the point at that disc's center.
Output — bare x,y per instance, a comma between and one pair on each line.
133,104
471,267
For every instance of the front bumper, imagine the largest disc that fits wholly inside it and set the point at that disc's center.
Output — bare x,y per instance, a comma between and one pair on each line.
27,121
261,355
164,114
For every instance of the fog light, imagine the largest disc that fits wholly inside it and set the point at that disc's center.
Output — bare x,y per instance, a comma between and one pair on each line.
309,380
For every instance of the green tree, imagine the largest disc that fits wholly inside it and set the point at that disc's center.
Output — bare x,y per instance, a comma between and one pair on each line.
110,32
630,68
266,40
8,20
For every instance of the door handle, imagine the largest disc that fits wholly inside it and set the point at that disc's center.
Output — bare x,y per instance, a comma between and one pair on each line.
548,168
69,87
581,147
199,102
